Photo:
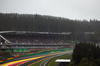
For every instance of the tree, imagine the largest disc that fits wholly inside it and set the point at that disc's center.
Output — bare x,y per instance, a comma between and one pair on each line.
84,62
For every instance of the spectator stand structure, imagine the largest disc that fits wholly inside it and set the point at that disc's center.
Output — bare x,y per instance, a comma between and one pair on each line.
28,41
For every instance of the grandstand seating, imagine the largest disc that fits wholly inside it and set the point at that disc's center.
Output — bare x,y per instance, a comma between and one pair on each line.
31,39
31,43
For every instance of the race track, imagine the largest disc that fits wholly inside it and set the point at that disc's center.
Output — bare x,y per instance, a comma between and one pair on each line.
26,61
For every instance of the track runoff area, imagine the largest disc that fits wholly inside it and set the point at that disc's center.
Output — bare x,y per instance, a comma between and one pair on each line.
27,61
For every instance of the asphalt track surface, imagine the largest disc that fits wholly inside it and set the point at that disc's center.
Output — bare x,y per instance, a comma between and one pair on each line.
44,63
34,61
26,61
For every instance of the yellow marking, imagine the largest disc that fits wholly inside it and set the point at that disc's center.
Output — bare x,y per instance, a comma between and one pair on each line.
1,61
10,58
38,61
35,62
52,52
46,58
22,63
10,63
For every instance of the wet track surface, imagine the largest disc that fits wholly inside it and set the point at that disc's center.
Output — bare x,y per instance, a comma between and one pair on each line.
44,63
25,61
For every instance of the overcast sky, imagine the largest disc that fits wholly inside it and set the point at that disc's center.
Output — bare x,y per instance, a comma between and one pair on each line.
73,9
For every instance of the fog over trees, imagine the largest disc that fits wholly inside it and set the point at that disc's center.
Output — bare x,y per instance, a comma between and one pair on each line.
80,29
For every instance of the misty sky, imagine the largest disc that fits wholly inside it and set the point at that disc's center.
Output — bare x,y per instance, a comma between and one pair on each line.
73,9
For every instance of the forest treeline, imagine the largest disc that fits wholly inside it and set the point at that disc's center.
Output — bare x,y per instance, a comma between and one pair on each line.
86,54
44,23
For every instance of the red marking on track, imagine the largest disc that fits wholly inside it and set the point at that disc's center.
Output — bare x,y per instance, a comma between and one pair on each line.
4,59
18,63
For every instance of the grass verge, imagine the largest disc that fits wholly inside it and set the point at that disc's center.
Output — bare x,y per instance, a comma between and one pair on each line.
53,63
39,62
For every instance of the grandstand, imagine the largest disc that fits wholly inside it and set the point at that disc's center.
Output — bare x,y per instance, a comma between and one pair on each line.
28,42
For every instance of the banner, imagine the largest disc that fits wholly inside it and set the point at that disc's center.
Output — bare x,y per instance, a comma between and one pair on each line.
20,50
8,50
